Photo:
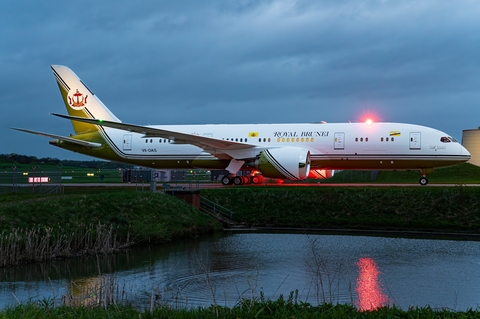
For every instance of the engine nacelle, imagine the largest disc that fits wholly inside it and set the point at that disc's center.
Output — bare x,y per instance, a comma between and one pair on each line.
285,163
321,173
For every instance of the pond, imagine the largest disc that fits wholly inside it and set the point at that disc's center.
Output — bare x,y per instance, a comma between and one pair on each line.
225,268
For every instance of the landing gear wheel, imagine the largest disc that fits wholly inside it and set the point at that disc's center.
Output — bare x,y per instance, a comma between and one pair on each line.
255,180
226,180
238,180
423,181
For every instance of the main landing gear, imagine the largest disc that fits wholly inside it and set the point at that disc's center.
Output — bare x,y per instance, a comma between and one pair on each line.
241,180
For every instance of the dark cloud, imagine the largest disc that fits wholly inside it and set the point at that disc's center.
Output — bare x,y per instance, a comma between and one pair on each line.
183,62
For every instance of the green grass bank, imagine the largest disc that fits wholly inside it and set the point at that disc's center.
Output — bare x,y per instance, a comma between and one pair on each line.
436,209
42,227
281,309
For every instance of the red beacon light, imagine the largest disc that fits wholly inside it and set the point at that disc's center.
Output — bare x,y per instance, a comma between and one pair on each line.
369,122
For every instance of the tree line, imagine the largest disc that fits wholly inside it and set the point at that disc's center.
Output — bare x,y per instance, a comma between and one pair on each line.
14,158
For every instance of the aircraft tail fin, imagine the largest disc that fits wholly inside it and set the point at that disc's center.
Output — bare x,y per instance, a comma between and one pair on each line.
80,101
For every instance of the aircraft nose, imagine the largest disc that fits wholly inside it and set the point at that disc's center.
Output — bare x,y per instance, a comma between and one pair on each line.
465,152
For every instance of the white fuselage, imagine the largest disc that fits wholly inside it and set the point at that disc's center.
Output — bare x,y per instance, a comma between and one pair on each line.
332,145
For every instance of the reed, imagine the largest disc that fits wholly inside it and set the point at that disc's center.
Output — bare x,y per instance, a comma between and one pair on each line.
40,244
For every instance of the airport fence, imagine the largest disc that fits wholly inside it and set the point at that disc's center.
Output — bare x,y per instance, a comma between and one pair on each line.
35,179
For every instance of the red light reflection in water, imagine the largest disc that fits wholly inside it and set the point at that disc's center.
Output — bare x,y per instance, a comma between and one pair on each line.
369,292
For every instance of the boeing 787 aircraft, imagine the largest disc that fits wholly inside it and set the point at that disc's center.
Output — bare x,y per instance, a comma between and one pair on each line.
280,151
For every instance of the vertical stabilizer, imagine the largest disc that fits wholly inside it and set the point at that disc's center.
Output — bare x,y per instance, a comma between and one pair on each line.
80,101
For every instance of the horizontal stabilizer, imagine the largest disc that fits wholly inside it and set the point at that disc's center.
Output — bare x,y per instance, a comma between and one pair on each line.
62,138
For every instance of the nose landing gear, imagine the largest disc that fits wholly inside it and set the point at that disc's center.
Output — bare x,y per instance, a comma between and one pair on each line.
424,171
423,180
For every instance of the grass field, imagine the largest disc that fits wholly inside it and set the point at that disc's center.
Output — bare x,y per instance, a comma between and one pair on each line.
460,174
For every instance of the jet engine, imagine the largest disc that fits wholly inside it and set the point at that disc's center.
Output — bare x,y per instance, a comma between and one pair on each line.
284,163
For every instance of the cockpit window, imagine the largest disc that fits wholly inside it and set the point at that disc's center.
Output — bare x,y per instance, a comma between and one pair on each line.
448,139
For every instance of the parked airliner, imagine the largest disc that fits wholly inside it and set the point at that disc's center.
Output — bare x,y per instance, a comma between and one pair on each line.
280,151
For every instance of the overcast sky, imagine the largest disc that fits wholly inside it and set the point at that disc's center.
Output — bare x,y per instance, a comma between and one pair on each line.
240,61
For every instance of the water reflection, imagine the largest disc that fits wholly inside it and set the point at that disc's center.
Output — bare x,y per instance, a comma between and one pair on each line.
225,268
369,293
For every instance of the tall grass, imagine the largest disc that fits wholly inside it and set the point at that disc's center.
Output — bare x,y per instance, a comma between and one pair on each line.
40,244
282,308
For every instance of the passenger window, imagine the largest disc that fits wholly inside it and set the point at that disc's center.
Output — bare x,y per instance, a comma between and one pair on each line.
392,139
366,139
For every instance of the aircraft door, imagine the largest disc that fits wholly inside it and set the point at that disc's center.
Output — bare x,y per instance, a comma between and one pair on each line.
339,143
127,142
415,140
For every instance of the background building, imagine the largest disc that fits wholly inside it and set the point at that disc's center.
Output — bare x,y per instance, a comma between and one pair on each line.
471,141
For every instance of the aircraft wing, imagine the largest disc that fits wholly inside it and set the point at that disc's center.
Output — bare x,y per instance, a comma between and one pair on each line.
178,137
62,138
